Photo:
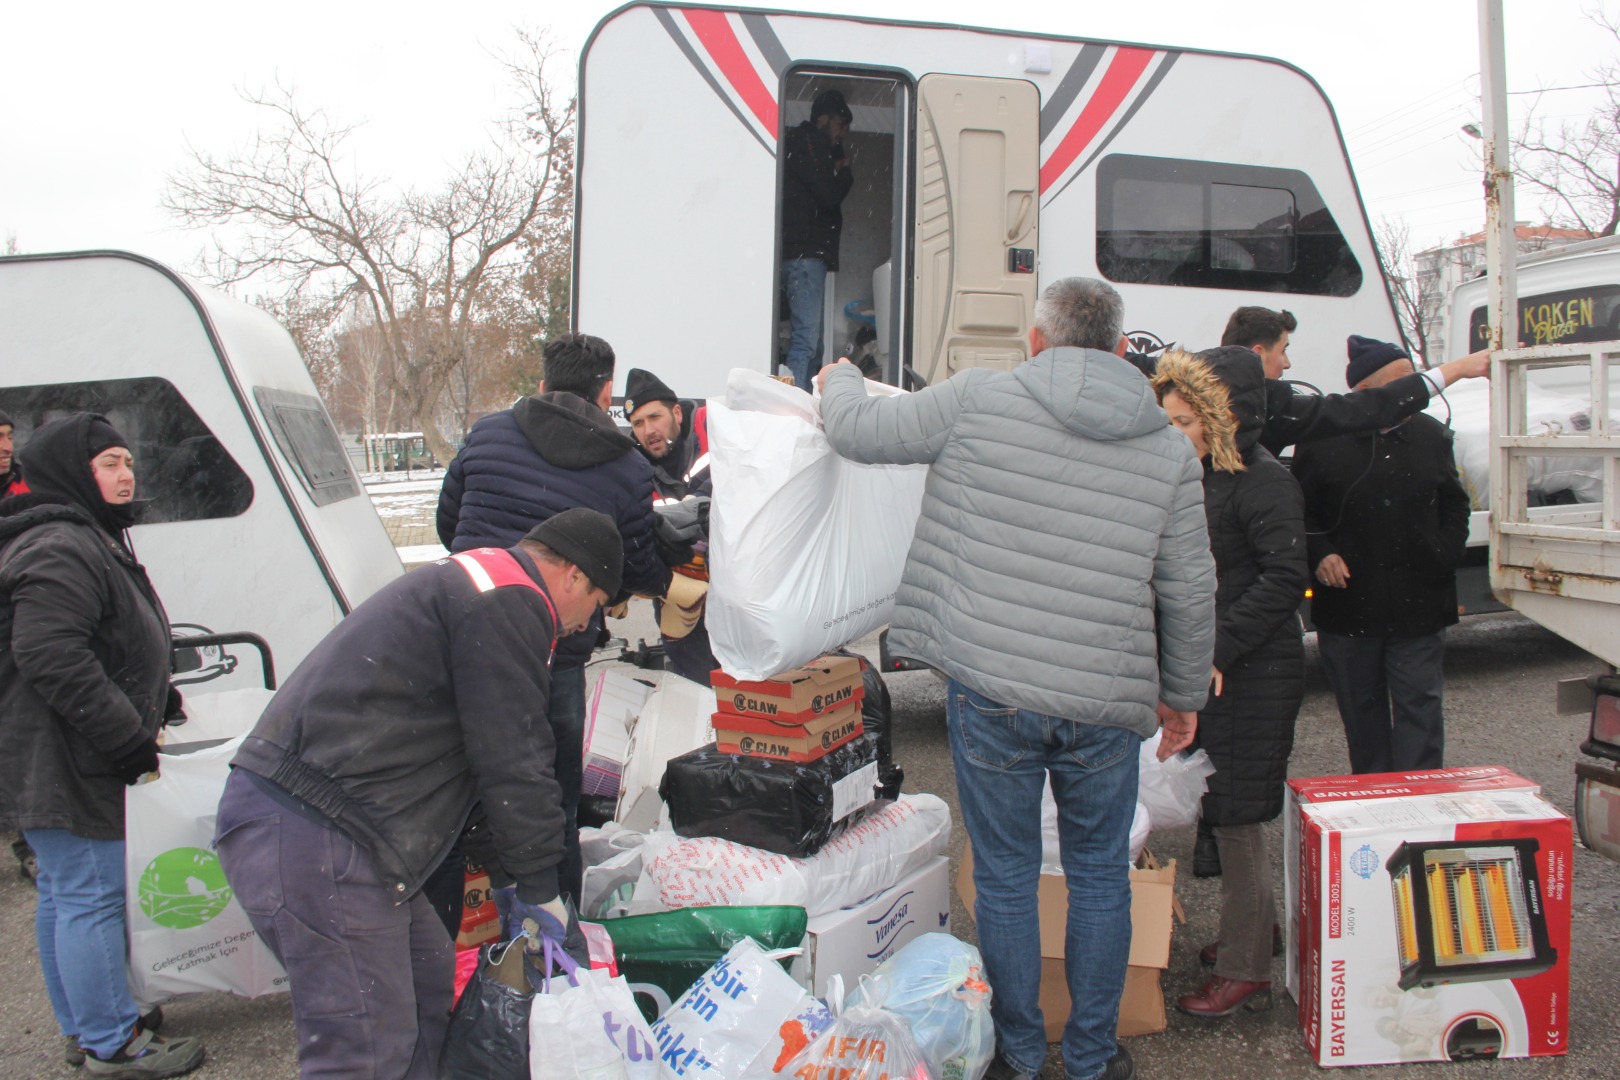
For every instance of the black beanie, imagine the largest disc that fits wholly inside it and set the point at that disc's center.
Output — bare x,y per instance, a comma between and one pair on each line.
830,103
587,539
103,436
1367,355
642,387
5,418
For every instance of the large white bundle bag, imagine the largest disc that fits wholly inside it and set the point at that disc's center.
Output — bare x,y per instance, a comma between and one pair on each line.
187,933
805,548
870,856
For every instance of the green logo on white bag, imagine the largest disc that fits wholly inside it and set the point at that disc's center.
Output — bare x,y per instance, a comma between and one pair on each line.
183,888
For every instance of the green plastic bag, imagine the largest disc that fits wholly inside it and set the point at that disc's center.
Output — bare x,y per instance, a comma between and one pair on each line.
662,955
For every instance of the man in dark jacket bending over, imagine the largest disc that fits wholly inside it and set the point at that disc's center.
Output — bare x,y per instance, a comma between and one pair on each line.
1294,417
555,450
429,697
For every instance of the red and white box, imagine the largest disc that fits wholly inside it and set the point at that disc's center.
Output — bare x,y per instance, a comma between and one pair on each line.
1428,917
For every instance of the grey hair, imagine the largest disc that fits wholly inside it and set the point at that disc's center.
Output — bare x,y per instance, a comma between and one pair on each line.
1082,313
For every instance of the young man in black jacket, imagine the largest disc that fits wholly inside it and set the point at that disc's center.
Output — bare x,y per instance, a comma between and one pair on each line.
1387,525
1293,417
430,697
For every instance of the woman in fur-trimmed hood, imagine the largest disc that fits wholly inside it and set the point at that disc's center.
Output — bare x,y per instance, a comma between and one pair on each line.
1256,519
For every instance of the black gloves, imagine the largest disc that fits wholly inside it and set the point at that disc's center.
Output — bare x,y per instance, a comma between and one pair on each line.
135,763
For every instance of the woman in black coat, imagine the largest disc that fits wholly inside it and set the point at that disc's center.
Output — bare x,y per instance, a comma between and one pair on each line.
84,682
1256,519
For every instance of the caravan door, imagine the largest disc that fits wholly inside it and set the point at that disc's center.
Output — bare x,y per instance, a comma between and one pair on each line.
976,223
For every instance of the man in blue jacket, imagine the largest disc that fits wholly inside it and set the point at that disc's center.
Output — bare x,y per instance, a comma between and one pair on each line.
552,451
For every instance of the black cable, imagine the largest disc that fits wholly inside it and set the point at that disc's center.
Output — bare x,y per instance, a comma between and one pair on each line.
1345,499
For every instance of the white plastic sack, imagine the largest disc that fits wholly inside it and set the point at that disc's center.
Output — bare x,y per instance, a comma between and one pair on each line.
936,985
187,933
1172,790
1051,848
744,1020
612,858
882,848
805,548
589,1028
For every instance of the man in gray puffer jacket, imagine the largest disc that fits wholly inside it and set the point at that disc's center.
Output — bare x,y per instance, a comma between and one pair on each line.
1061,579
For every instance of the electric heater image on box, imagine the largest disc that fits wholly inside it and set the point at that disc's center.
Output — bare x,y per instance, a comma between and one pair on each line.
1468,911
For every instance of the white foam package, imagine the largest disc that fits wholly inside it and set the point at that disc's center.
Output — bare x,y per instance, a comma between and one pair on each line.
884,847
674,720
806,548
616,701
744,1020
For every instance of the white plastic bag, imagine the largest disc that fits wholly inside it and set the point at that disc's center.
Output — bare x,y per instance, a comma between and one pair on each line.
588,1027
187,933
805,548
936,985
744,1020
674,720
1173,789
871,855
863,1044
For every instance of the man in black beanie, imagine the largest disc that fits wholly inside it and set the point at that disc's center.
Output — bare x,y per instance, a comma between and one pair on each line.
1387,525
672,436
11,482
430,697
816,178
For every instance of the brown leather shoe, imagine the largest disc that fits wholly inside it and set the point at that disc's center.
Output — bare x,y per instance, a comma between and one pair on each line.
1223,997
1206,955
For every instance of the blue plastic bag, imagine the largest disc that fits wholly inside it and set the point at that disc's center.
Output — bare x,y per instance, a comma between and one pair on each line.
936,985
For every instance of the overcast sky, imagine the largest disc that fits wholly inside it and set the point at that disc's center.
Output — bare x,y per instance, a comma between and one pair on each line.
101,100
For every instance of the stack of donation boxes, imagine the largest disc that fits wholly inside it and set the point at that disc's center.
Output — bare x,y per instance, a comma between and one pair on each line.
1428,916
792,768
792,764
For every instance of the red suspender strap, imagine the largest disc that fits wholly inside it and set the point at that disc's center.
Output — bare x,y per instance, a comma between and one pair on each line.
494,568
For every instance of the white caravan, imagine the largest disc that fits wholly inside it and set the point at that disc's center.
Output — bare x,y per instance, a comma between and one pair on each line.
252,518
985,162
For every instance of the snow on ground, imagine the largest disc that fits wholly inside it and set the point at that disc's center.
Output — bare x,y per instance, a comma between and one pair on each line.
416,505
421,553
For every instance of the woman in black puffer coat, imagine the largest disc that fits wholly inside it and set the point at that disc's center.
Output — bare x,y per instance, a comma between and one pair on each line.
84,685
1256,519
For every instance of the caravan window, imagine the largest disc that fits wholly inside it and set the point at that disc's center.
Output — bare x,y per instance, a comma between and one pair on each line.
1566,317
1213,225
304,432
182,471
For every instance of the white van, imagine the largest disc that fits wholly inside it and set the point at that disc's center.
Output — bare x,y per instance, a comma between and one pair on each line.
252,518
985,162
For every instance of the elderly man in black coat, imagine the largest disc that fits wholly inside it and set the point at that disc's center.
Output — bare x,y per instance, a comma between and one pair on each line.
1388,524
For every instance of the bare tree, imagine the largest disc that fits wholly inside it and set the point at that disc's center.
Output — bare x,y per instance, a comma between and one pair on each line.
1575,168
428,266
1414,291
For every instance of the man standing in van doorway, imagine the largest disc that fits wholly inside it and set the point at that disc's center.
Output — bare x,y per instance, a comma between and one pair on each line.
816,179
10,480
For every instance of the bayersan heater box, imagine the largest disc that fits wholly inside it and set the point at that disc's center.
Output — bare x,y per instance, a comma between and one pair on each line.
1428,917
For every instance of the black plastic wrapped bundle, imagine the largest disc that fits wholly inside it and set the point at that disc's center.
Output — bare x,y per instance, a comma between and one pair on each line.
781,806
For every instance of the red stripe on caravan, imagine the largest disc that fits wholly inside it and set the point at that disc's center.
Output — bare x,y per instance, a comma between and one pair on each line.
1123,71
714,30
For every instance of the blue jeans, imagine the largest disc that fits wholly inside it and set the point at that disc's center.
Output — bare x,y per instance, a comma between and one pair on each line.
79,925
566,712
1003,756
806,284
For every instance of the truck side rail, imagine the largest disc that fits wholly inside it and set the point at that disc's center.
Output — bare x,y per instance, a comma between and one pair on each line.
1562,568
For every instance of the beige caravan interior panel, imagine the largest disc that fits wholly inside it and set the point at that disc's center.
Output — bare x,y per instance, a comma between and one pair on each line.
978,164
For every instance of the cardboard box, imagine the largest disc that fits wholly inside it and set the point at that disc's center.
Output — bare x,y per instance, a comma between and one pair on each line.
1333,789
804,693
793,729
1153,910
789,746
854,941
1381,974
